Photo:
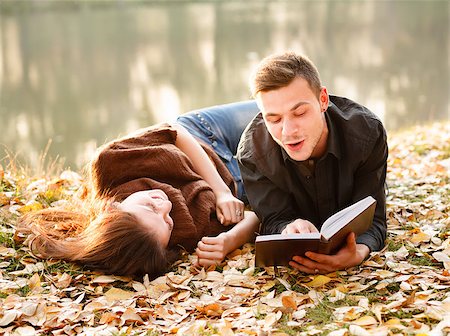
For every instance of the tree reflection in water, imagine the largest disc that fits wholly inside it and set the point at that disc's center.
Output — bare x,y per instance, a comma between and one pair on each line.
83,74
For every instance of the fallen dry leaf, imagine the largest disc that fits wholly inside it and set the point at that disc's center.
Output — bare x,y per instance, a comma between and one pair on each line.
318,281
401,290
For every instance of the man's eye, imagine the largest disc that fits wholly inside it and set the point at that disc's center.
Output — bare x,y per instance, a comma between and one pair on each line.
274,121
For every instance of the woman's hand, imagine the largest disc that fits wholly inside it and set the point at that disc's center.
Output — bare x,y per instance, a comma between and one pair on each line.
213,250
230,210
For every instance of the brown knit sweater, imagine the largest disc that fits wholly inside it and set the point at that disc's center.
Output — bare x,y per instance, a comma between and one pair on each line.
149,159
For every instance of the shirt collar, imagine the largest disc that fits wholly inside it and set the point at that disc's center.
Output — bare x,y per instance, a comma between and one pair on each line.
332,142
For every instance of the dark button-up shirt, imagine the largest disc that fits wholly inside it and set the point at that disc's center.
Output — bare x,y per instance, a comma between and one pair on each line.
281,190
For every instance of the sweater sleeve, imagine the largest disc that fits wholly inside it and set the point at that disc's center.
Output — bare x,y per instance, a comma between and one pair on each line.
132,157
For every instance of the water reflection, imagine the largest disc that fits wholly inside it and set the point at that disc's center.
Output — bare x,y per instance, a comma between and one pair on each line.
84,74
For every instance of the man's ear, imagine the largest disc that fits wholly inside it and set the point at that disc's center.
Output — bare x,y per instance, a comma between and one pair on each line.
323,99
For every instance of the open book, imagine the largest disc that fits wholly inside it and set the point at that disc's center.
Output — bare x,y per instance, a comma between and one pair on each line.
278,249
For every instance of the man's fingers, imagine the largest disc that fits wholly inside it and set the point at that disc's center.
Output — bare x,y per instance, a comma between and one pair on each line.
301,268
351,241
306,262
319,258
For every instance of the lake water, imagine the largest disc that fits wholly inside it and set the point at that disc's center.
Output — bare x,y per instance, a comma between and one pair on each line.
83,73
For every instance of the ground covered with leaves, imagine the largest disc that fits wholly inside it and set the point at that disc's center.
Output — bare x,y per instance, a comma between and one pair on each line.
402,290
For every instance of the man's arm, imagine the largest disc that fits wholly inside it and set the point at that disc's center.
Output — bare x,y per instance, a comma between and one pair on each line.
370,179
273,206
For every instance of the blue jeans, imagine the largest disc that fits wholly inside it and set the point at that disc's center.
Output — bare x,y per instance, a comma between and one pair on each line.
221,128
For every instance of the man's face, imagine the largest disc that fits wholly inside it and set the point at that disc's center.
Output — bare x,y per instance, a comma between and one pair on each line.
294,118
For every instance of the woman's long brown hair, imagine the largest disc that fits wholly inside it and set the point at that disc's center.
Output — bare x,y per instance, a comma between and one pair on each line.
111,240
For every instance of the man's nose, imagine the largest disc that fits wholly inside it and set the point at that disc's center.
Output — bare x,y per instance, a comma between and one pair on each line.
289,127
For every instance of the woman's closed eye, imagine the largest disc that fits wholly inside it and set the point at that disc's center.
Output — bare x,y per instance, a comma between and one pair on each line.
152,207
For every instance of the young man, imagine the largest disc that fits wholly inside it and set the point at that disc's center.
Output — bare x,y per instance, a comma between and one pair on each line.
308,155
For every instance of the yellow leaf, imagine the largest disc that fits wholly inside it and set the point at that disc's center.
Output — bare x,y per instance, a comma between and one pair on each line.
34,206
420,238
318,281
365,321
118,294
394,323
351,314
268,285
35,283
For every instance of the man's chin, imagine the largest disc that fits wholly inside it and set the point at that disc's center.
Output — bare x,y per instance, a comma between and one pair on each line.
297,155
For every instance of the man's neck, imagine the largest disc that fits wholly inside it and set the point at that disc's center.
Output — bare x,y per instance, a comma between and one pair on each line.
321,146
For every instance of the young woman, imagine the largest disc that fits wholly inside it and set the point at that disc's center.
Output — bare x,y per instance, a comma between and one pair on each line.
154,192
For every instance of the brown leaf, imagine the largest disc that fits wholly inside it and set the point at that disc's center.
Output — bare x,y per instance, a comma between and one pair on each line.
213,309
289,302
64,281
410,300
114,294
130,315
3,199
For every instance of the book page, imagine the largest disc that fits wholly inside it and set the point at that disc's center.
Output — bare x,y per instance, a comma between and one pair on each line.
290,236
334,223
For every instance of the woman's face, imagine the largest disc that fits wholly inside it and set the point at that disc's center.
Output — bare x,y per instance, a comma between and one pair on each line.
151,208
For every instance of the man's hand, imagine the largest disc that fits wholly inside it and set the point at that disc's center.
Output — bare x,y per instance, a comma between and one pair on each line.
299,226
349,255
